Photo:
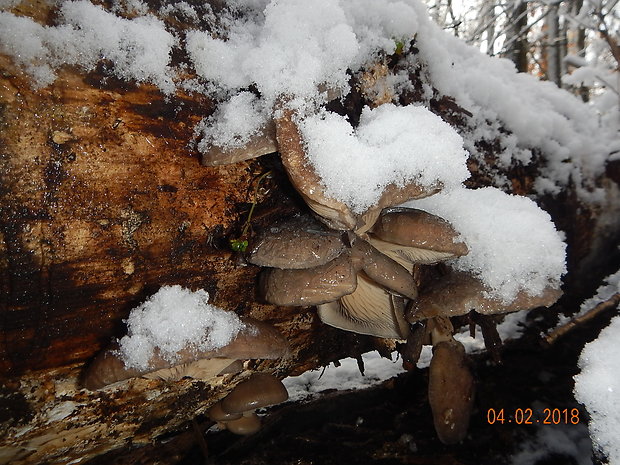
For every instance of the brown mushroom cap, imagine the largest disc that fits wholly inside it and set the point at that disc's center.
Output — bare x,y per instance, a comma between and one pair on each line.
297,243
382,269
370,309
249,423
458,293
304,178
217,413
260,390
258,340
450,391
393,195
310,286
415,236
262,143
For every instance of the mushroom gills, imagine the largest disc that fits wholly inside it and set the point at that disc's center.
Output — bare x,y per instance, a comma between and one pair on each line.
199,369
369,310
257,340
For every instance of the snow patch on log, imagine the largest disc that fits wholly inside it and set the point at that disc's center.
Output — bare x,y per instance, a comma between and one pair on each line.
173,319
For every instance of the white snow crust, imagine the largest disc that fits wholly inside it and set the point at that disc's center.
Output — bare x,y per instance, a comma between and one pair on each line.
392,144
598,384
513,244
172,319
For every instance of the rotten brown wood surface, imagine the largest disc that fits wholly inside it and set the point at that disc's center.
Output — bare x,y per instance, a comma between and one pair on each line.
103,201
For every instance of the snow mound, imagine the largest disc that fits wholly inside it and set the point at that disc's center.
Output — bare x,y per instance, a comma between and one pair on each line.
392,144
173,319
513,244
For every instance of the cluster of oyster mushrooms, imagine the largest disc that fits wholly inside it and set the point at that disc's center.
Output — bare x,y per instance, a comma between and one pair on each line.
359,270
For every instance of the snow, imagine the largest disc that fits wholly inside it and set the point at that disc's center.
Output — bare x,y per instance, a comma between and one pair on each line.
598,384
301,49
233,123
513,244
391,145
567,441
538,114
173,319
139,49
377,369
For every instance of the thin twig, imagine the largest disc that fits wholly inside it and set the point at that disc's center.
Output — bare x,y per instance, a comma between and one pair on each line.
612,302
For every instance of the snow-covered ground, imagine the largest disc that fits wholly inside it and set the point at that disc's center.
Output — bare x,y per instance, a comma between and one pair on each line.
598,384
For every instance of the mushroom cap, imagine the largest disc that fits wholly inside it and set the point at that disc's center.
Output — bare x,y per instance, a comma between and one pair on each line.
370,309
303,176
248,424
310,286
262,143
458,293
217,413
257,340
382,269
260,390
297,243
416,236
393,195
450,391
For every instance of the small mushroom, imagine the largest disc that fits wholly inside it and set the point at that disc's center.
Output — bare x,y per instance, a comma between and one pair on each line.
257,340
262,143
236,411
414,236
297,243
260,390
450,388
370,309
458,293
217,413
304,178
248,423
310,286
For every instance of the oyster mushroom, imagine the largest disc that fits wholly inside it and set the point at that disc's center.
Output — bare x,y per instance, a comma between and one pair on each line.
297,243
260,390
310,286
450,384
262,143
248,423
413,236
236,411
458,293
257,340
304,178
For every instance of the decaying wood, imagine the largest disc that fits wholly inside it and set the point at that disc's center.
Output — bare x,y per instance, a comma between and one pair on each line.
104,201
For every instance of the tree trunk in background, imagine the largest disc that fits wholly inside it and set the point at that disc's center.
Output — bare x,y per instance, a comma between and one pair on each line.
516,37
551,48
